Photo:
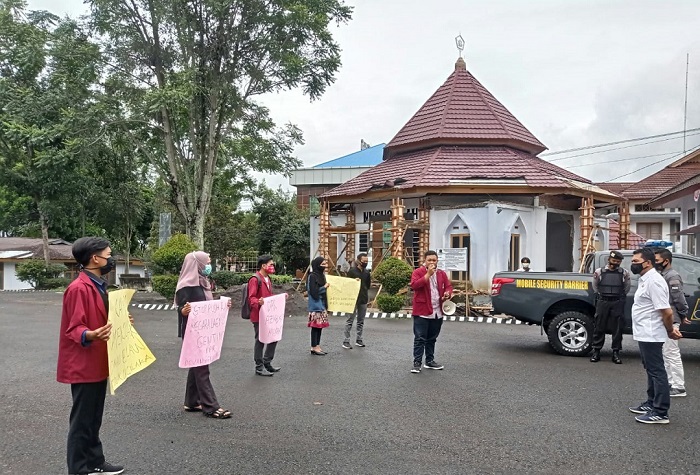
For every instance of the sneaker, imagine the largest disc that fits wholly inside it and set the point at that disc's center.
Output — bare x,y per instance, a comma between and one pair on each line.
678,392
107,469
416,368
433,365
641,409
652,418
347,346
360,344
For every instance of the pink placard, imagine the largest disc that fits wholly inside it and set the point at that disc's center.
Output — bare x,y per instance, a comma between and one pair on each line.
204,334
272,318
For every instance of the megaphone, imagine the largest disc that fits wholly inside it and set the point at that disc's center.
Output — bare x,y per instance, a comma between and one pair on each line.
449,307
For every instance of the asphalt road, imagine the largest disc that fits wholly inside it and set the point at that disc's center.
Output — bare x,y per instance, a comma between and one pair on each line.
505,403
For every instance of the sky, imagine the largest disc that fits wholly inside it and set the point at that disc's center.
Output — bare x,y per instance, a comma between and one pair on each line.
575,72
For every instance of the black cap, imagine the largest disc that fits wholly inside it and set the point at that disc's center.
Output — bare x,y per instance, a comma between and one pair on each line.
616,255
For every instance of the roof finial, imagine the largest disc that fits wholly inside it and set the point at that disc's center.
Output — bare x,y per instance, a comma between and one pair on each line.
460,64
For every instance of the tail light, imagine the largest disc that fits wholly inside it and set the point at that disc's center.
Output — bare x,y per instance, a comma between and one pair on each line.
498,282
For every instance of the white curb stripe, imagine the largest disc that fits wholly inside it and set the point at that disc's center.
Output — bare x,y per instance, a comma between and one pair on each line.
451,318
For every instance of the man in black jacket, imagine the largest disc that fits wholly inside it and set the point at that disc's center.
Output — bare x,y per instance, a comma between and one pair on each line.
359,271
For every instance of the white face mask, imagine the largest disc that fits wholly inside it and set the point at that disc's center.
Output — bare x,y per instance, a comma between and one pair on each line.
526,265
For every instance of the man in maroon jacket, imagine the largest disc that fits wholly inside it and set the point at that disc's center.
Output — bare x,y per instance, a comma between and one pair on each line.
260,287
431,287
82,355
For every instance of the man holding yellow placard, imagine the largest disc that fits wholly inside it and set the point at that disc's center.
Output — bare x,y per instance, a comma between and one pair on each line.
82,355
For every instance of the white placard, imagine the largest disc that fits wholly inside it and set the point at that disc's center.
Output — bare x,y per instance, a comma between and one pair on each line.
453,259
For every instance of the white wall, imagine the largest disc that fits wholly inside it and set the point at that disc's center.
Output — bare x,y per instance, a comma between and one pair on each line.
133,269
11,280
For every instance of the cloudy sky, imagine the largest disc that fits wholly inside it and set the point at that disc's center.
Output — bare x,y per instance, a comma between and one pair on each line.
575,72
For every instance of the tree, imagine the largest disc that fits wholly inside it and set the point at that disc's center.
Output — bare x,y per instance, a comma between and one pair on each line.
48,70
188,72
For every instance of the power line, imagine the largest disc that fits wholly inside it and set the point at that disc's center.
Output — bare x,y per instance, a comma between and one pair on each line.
623,159
650,165
618,142
618,148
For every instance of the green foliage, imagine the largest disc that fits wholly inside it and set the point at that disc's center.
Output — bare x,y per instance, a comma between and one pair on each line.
37,273
165,285
390,303
55,283
281,279
170,256
394,274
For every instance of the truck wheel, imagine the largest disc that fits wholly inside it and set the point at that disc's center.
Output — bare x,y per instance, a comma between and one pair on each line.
571,333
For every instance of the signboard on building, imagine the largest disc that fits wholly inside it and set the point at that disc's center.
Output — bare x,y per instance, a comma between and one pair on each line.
386,233
450,259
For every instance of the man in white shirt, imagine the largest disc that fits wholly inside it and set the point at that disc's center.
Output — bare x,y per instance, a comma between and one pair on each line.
652,323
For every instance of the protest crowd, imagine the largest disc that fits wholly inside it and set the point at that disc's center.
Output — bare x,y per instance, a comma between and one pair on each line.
94,321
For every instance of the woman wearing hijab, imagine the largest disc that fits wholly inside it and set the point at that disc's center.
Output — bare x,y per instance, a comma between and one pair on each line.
193,286
316,286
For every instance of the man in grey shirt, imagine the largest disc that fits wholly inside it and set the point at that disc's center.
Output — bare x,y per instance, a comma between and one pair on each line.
672,353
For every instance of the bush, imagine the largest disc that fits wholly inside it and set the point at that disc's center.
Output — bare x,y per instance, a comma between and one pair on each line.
165,285
393,273
281,279
55,283
390,303
170,256
36,272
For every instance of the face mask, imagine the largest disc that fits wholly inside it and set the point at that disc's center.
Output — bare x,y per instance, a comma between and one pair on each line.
613,266
636,268
207,270
363,264
109,265
270,269
526,265
660,266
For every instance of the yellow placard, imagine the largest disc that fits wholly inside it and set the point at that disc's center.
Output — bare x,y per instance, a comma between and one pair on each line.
342,293
127,352
552,284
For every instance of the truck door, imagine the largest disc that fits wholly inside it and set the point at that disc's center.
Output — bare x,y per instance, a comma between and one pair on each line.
689,269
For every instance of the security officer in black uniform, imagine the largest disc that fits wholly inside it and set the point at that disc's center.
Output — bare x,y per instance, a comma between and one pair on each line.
611,285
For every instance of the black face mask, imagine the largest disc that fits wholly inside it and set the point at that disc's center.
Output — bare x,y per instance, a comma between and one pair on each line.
109,265
660,266
613,266
636,268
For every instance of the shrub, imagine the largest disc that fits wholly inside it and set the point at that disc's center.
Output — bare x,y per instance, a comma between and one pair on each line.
281,279
393,273
36,272
165,285
170,256
390,303
55,283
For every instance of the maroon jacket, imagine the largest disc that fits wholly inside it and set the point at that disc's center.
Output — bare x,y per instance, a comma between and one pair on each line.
422,303
83,309
254,294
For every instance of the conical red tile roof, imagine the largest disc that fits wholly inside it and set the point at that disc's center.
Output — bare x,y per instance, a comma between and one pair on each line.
463,112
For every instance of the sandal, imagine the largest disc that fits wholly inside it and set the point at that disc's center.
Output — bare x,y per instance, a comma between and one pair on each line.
192,409
220,413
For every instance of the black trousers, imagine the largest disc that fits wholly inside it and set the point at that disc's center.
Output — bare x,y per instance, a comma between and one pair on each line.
609,317
658,392
84,445
261,360
315,336
199,390
425,333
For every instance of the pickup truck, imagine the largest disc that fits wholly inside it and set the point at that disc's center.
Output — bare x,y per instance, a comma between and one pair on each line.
563,303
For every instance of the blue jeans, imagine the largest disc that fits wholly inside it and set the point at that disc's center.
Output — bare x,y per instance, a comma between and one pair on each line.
658,395
425,332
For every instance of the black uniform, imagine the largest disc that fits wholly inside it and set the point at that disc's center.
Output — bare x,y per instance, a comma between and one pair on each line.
612,287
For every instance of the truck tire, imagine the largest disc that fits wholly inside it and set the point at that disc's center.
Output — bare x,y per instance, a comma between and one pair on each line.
571,333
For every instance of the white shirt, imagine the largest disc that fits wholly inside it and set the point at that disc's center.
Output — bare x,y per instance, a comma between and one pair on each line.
650,299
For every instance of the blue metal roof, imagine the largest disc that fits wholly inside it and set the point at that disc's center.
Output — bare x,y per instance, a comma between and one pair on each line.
368,157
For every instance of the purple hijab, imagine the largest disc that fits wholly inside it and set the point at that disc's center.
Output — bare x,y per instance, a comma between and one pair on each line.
191,273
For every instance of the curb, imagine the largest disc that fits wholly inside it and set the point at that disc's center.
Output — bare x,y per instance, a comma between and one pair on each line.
154,306
501,320
27,290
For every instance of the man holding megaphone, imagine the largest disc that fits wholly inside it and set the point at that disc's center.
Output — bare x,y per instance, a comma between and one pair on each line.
431,287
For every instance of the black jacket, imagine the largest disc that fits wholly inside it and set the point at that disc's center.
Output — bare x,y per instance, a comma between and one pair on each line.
357,272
